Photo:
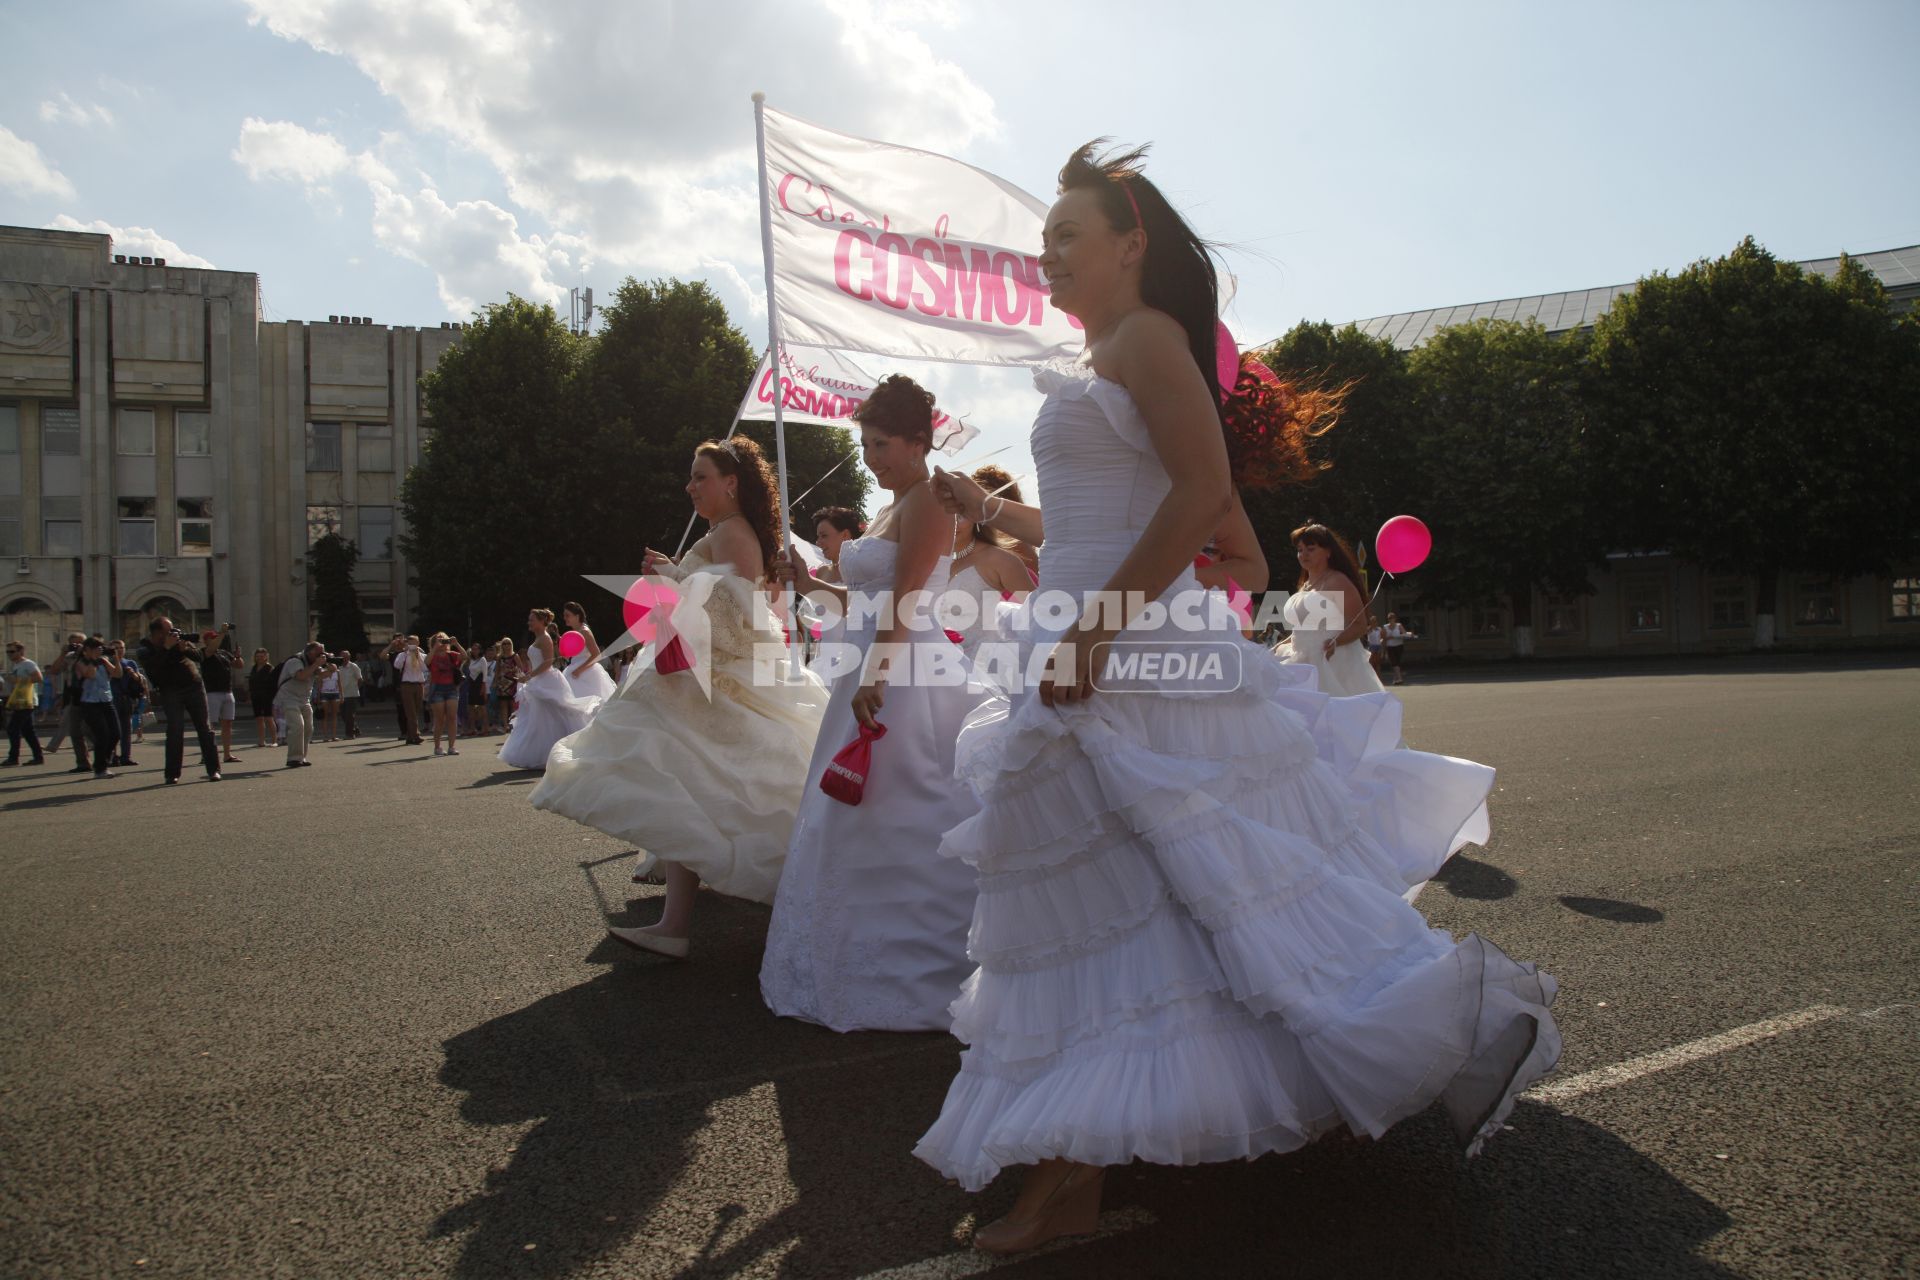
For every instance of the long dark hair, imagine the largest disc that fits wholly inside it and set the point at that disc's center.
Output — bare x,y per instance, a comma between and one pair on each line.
1267,423
739,457
1340,557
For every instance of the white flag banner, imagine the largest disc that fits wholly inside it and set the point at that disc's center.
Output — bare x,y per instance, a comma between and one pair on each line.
905,253
825,387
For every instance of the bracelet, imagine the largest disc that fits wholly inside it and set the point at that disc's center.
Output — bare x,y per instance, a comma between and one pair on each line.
987,517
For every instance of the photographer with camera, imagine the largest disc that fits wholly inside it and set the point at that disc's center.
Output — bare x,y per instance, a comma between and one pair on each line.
97,671
298,679
23,695
172,663
68,722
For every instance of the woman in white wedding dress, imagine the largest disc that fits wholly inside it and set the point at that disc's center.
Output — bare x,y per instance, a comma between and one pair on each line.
1190,945
869,931
585,676
548,708
1326,616
705,779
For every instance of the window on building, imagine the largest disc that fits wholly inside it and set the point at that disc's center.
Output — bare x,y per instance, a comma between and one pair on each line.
322,521
375,445
1905,603
1563,615
60,432
10,535
1644,602
193,526
193,434
133,433
1816,602
376,533
323,446
1487,622
9,429
1728,604
377,612
134,536
60,537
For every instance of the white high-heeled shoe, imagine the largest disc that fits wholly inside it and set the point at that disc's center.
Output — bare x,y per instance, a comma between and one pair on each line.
658,943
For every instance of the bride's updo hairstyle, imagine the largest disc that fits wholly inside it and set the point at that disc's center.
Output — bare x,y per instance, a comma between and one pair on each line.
740,458
1267,422
899,407
999,482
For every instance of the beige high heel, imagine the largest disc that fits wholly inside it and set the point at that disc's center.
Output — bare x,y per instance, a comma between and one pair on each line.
1072,1208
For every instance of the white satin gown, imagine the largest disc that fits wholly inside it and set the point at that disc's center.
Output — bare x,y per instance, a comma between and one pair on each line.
550,706
1190,939
869,931
711,782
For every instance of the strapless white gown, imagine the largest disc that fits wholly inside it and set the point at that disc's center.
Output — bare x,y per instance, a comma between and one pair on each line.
1346,674
549,708
1190,939
710,782
869,931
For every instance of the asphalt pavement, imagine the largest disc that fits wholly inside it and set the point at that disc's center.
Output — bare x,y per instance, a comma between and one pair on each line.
362,1020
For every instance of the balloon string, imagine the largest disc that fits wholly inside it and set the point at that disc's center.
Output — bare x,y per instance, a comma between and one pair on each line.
1385,577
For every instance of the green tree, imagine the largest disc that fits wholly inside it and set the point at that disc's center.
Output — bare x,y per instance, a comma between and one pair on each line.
493,498
1502,467
330,564
1370,472
666,371
1755,418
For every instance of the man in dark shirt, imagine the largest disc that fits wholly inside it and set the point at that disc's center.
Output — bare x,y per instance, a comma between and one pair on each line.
172,664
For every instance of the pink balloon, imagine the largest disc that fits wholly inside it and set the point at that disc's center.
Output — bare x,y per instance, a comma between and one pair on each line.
572,644
643,597
1402,544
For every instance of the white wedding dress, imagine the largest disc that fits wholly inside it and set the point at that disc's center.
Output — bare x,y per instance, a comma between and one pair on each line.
1190,939
870,929
711,782
1348,673
550,707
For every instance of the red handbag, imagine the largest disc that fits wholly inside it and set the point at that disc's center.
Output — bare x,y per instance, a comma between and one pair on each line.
846,776
673,658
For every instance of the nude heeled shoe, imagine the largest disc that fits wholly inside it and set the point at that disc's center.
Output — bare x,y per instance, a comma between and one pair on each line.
1072,1208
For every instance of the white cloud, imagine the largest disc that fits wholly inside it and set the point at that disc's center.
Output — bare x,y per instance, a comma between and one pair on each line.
25,170
281,149
474,248
144,241
65,110
629,125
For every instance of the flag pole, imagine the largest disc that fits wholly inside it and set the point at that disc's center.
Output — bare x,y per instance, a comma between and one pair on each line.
773,318
688,531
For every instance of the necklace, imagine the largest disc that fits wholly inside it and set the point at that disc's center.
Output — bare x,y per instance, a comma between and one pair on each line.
715,524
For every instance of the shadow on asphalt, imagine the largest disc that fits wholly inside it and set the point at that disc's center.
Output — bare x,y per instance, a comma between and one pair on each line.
1613,909
621,1077
505,778
1481,881
621,1074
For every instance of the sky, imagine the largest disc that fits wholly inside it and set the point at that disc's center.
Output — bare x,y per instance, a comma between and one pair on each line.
411,160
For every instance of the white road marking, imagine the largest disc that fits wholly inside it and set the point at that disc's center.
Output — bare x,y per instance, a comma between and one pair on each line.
1679,1055
952,1266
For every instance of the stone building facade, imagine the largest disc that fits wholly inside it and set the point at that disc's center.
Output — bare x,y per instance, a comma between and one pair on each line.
165,450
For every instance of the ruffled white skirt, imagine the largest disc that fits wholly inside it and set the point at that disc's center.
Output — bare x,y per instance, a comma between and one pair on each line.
547,712
710,782
1191,939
